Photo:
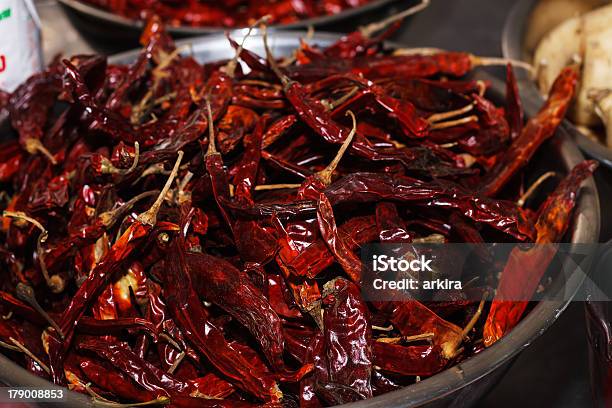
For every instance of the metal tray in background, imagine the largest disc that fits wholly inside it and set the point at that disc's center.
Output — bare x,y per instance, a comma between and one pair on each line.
513,47
105,24
461,385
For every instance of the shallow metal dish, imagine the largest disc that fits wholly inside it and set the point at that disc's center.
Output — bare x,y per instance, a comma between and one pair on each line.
106,22
513,47
461,385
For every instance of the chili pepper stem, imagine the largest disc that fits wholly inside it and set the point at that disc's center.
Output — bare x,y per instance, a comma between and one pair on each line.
26,293
521,201
266,187
100,401
325,175
136,158
150,216
273,65
158,73
456,122
417,51
212,148
370,29
170,341
28,353
55,282
33,145
406,339
109,218
343,98
176,363
474,318
438,117
452,351
9,346
182,195
157,168
494,61
380,328
257,82
468,159
430,239
482,87
230,68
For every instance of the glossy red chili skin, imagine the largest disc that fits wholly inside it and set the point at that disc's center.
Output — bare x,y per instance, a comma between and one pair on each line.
221,283
205,336
348,352
536,131
408,360
528,266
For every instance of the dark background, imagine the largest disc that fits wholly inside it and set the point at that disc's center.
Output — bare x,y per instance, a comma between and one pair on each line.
553,371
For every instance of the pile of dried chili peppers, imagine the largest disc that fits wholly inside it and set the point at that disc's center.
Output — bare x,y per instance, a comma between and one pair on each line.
227,13
188,234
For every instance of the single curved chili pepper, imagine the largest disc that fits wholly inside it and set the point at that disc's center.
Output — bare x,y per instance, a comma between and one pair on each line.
221,283
535,132
525,268
110,379
208,339
277,129
349,352
370,187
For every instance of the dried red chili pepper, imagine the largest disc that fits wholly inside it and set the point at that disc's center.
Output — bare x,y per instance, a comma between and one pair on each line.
349,352
535,132
525,268
221,283
192,318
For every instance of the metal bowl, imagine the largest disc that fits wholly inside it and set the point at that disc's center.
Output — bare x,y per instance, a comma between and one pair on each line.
464,384
513,46
107,24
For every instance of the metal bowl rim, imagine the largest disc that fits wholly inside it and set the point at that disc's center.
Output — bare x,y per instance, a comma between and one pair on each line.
585,230
110,17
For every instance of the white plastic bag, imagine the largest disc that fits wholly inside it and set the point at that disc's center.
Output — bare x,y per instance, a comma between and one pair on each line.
20,47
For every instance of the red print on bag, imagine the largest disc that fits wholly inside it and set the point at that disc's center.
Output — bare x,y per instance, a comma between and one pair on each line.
2,63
